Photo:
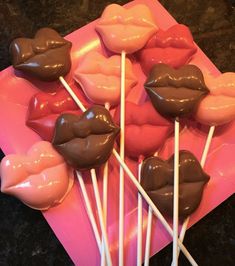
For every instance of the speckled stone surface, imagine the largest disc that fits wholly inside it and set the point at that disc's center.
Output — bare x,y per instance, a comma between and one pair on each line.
25,237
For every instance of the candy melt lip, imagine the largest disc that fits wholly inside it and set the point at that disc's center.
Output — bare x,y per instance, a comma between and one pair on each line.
126,28
99,77
87,141
46,57
41,179
218,107
174,47
44,109
157,178
145,129
175,92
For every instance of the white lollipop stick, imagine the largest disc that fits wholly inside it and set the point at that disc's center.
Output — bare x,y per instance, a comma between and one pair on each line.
154,208
89,210
176,195
72,94
105,198
122,155
148,233
140,222
203,160
100,215
148,237
143,192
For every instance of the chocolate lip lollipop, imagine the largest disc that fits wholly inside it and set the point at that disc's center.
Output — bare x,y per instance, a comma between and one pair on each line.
85,141
46,56
175,93
157,178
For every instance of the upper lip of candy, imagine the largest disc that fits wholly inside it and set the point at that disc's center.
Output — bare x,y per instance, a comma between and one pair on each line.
173,78
37,49
124,16
44,104
178,36
224,84
98,66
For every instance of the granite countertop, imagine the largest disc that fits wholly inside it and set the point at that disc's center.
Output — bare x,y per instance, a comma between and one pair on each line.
25,237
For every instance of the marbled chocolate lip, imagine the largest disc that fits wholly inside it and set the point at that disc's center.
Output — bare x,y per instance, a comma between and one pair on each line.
175,93
85,141
157,178
46,56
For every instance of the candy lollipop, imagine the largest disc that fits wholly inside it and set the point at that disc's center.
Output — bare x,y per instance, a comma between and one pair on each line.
140,189
217,108
157,177
125,30
174,47
86,142
41,179
149,129
46,56
44,109
99,78
175,93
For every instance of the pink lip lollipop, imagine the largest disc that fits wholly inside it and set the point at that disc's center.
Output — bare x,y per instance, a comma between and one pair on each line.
125,30
99,78
41,179
217,108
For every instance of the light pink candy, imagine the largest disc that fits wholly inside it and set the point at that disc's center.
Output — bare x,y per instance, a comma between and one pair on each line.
218,107
126,28
41,179
100,80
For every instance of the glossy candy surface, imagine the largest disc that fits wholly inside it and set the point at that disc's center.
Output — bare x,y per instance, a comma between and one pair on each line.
41,178
45,108
175,93
145,129
218,107
126,28
157,178
100,78
46,56
85,141
174,47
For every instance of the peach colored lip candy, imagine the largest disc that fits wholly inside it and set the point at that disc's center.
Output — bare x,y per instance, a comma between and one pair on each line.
40,179
218,107
99,78
126,29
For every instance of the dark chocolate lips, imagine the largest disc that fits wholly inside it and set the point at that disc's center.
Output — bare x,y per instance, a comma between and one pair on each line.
157,178
85,141
175,93
46,57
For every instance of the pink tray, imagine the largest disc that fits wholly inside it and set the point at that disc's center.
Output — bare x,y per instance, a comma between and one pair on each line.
69,220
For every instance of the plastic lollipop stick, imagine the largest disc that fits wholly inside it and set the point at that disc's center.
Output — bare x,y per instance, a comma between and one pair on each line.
122,155
105,199
176,195
140,222
100,215
89,210
148,237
